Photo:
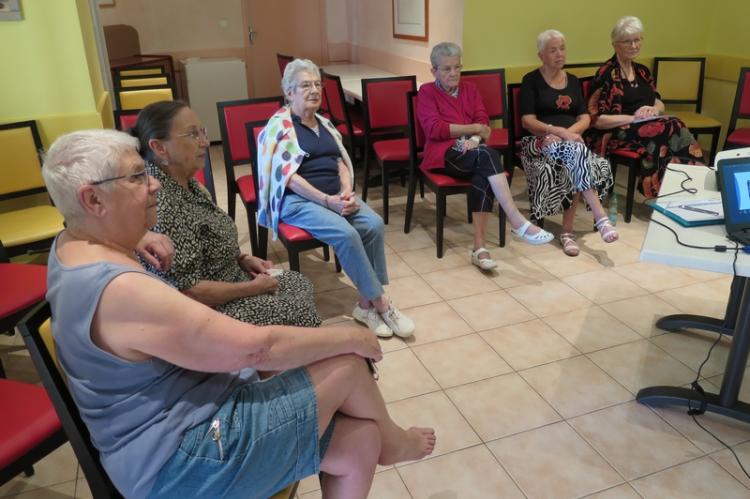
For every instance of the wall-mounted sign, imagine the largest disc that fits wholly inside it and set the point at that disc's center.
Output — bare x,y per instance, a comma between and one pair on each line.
10,10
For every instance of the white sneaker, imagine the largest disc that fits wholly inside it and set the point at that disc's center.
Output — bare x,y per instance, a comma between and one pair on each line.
371,318
400,324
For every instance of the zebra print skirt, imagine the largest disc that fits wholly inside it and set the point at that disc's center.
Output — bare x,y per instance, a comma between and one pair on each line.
555,172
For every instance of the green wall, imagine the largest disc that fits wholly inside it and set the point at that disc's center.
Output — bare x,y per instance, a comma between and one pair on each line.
45,68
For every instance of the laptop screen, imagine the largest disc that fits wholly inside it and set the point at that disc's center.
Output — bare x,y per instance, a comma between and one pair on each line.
734,184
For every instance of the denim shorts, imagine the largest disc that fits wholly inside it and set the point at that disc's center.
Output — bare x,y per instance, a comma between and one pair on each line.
267,439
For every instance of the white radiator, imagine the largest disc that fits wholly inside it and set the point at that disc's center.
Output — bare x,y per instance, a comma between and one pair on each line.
212,80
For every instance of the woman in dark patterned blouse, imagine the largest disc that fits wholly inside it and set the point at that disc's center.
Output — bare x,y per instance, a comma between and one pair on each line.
558,165
208,265
626,109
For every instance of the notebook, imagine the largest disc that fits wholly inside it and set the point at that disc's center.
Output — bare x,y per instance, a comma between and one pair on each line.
693,213
734,185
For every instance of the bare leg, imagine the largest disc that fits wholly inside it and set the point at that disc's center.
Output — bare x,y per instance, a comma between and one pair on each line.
596,206
569,215
349,463
501,189
480,229
344,384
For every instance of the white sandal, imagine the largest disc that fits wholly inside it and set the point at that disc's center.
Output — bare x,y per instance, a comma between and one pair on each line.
541,237
482,263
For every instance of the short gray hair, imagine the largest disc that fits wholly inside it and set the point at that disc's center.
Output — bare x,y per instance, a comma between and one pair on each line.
626,26
545,36
444,49
289,80
79,158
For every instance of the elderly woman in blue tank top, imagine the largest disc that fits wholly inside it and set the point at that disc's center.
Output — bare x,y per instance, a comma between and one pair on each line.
169,388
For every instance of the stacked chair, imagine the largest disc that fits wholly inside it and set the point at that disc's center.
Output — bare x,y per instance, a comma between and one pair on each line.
139,87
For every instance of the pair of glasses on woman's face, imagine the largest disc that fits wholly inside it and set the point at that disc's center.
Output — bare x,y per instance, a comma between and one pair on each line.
632,42
196,134
307,86
450,69
139,177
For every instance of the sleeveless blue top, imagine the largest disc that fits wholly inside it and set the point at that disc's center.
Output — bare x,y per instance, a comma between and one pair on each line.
136,412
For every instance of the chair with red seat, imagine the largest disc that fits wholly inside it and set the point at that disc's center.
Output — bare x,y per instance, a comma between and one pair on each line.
441,184
282,61
232,118
386,124
125,120
294,239
491,86
740,137
352,131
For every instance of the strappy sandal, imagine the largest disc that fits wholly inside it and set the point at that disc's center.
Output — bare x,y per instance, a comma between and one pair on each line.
484,263
569,245
606,230
540,237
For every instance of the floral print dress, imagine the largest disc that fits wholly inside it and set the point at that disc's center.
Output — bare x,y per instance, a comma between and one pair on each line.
658,142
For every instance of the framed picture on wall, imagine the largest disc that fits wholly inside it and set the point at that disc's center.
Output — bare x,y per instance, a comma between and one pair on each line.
105,3
410,19
10,10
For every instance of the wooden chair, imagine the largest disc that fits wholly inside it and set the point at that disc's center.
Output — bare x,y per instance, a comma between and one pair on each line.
282,61
138,98
140,71
233,115
143,81
295,239
680,81
37,335
441,184
740,137
386,124
24,229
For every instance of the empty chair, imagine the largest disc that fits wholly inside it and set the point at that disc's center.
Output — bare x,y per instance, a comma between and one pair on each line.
143,81
233,115
282,61
386,121
140,71
740,136
138,98
32,228
680,81
352,130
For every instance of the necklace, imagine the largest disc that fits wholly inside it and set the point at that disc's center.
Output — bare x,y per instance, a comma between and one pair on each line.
624,75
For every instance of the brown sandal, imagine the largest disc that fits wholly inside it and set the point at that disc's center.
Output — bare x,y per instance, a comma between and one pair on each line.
569,245
606,230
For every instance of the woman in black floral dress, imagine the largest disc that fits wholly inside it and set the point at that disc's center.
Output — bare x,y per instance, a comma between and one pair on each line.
626,112
208,264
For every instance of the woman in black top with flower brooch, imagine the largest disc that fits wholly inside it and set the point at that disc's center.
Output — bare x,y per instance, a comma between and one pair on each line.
559,167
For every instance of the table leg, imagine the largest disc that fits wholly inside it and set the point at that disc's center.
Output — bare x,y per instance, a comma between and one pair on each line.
725,326
725,403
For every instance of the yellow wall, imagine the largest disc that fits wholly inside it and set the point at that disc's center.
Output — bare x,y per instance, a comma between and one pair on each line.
50,72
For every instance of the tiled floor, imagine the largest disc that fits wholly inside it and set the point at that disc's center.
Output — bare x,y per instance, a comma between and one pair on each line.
528,373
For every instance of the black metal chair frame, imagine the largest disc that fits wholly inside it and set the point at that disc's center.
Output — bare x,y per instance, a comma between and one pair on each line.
744,73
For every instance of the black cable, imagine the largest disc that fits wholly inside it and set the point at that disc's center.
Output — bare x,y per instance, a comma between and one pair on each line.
689,190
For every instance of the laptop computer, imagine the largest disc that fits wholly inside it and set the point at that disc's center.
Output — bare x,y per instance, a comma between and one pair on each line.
733,178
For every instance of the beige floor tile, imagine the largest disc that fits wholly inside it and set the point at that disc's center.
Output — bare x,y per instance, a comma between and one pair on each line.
519,271
727,461
654,276
490,310
461,360
691,348
57,467
640,364
554,462
561,265
696,479
402,376
501,406
602,286
469,473
459,282
59,491
325,278
634,440
549,298
408,292
437,321
705,298
575,386
529,344
417,238
397,267
82,488
624,491
424,260
729,430
590,329
308,484
641,313
435,410
386,484
336,302
608,255
744,394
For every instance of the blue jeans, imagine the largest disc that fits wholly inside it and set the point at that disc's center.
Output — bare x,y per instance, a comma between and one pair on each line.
268,439
357,239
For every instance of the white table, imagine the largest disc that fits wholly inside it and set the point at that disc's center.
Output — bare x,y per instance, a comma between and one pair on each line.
352,75
660,246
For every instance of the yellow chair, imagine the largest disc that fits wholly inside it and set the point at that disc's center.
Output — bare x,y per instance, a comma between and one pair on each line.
680,81
152,71
24,229
141,81
142,97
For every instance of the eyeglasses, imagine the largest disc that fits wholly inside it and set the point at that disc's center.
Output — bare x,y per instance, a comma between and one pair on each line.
198,134
140,177
450,69
634,41
306,86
